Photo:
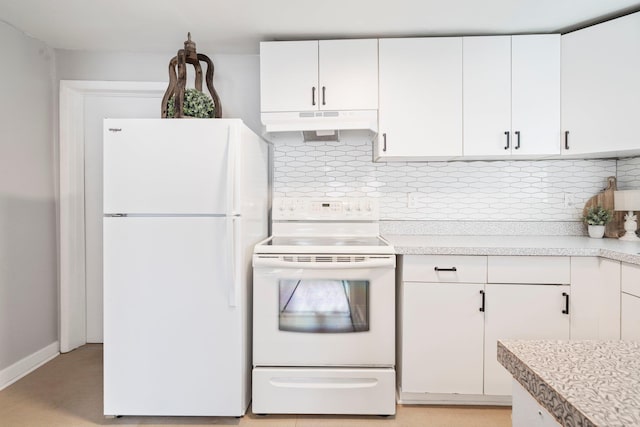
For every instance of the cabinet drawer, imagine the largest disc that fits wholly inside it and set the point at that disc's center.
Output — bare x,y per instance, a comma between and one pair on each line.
631,279
529,269
444,268
324,391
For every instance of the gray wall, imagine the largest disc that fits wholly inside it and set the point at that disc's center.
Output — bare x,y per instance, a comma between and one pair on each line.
28,255
236,77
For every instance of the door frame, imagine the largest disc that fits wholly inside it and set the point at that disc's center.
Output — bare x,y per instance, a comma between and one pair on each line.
73,322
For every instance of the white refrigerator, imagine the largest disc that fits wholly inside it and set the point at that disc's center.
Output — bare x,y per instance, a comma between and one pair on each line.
185,200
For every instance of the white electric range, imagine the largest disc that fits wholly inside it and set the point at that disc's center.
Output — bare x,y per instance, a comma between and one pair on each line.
324,310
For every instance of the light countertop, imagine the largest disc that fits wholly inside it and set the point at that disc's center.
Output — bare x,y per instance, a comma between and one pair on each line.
516,245
581,383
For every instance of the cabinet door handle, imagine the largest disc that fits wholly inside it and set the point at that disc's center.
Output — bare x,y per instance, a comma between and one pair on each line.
384,142
445,269
517,140
566,303
313,95
566,139
482,308
506,147
323,95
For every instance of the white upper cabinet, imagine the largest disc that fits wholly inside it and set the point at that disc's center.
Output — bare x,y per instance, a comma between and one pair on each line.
289,76
601,88
348,74
511,95
535,94
319,75
487,95
420,113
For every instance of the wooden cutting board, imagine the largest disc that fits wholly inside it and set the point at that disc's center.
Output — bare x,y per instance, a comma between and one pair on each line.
605,199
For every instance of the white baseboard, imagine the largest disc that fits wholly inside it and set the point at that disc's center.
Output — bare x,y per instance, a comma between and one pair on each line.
405,398
28,364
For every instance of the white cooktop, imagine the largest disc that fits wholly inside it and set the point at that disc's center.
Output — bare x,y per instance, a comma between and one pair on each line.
325,226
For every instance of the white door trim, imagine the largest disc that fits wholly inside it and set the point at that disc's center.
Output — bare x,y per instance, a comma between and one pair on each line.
73,324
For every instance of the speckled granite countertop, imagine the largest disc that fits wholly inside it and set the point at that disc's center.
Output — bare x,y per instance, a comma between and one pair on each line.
581,383
515,245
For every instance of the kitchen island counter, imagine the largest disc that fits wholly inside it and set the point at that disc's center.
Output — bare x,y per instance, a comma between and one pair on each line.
613,249
580,383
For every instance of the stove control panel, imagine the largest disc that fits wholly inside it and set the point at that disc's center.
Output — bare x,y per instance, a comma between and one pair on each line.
325,209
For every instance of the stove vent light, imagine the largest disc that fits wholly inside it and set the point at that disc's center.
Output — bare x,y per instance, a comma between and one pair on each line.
321,135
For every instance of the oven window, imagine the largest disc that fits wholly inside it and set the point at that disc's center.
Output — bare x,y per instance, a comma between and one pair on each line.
334,306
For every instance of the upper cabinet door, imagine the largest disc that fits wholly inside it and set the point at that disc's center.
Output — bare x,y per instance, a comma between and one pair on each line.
348,74
601,88
535,94
487,95
289,76
420,113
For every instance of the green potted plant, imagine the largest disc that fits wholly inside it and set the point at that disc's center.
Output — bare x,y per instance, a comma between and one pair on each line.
596,218
196,104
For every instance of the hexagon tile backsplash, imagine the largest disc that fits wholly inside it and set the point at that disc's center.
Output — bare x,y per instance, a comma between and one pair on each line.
542,190
629,174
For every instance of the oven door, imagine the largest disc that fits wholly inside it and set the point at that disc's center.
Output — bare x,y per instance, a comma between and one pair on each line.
329,310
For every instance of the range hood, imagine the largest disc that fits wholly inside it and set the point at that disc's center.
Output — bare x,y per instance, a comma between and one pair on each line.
320,126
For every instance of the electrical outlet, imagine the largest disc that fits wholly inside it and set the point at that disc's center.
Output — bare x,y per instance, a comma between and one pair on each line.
413,200
569,201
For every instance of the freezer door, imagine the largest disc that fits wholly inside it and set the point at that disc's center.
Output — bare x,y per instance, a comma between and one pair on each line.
162,166
173,343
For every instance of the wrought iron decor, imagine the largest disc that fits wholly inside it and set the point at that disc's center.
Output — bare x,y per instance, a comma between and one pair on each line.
178,79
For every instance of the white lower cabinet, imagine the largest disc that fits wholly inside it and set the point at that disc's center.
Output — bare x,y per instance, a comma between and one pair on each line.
630,302
595,299
443,330
630,320
451,319
520,311
527,412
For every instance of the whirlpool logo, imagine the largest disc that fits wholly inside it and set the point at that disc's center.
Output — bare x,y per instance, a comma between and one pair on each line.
115,129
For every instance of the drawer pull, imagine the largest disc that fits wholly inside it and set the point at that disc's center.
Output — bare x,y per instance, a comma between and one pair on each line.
482,308
445,269
566,303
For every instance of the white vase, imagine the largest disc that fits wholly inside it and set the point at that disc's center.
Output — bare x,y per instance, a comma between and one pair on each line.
596,231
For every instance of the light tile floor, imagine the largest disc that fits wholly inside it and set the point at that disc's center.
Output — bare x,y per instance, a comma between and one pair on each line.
67,392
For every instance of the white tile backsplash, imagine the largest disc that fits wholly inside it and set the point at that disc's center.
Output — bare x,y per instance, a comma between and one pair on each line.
503,190
629,173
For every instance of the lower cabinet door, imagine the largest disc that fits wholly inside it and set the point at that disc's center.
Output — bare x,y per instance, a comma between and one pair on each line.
442,338
630,324
516,311
527,412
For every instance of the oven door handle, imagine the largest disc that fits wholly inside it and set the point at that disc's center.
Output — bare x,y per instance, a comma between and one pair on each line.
373,263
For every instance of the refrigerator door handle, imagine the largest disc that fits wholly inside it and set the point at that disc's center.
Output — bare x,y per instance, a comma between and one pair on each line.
231,174
232,256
